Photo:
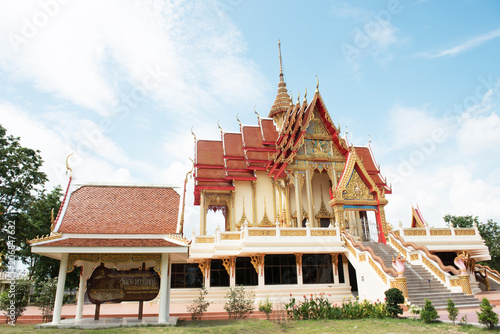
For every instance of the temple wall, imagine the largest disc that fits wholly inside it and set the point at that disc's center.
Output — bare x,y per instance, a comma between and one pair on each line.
243,192
320,185
264,191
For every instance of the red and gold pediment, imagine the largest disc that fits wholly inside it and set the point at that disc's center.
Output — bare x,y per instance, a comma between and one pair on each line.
356,186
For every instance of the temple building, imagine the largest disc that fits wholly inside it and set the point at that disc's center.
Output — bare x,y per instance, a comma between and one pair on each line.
303,213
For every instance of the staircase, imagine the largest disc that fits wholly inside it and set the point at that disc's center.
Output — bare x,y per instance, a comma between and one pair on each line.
421,284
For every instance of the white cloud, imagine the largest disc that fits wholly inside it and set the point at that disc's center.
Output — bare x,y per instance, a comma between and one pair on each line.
465,46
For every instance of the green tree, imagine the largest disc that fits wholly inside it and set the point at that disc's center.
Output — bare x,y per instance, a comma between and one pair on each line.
487,316
20,181
14,301
428,313
490,232
393,298
452,310
45,298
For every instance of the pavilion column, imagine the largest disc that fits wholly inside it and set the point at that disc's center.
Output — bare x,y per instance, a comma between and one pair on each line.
203,214
297,200
164,289
81,296
345,263
275,214
56,319
310,209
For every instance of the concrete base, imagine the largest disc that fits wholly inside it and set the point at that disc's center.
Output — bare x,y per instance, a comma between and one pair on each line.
109,322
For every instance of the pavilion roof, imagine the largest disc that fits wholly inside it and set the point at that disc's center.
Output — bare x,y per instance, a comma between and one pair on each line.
113,209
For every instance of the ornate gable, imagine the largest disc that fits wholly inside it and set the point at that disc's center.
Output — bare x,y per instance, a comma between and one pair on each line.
356,186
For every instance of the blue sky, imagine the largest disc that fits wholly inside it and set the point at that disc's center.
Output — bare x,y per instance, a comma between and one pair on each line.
121,83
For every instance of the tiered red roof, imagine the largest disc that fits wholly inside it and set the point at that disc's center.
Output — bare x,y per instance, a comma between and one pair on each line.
366,155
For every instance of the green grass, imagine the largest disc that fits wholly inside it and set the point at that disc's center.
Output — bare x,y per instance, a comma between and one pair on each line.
385,326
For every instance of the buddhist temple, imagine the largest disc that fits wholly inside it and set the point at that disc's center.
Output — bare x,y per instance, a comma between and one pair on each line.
303,213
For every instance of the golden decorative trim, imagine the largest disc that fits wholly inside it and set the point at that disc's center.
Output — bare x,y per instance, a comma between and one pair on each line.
265,220
293,233
113,258
232,236
396,233
414,257
262,233
415,232
465,231
440,232
455,282
400,249
323,233
179,238
204,266
229,264
402,286
362,257
335,261
350,248
434,269
51,236
205,240
464,281
377,270
257,262
243,218
394,284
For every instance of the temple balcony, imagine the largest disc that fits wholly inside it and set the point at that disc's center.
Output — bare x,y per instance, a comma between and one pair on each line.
266,240
447,240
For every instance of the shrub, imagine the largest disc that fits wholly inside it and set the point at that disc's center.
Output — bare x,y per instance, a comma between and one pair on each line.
452,311
14,301
414,311
199,305
487,316
46,295
428,313
266,306
238,305
394,297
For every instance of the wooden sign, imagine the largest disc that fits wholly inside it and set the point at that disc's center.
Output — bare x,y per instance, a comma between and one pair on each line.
112,285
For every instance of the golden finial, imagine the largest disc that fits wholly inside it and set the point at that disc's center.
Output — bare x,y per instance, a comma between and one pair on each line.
52,220
370,140
255,111
281,64
193,133
291,98
305,95
298,96
239,122
317,84
220,128
68,168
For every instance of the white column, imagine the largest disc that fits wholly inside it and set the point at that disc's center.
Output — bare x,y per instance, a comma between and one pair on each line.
81,296
345,263
56,319
310,210
297,201
164,289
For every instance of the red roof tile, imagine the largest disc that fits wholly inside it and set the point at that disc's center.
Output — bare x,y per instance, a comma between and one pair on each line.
121,210
80,242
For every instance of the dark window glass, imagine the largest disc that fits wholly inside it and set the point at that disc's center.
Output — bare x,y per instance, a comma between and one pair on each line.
324,222
186,275
280,269
317,268
245,272
218,274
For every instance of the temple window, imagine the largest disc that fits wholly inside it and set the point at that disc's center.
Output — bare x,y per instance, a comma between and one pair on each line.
218,274
186,275
317,268
340,269
280,269
245,272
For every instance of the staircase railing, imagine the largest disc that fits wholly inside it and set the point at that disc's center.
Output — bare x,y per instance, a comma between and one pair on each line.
353,243
422,255
492,273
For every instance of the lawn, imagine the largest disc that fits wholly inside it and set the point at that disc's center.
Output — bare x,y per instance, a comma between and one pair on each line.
385,326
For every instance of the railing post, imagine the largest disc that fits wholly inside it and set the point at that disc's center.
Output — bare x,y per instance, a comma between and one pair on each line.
308,229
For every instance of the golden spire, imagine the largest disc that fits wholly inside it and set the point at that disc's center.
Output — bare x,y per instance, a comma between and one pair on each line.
256,113
305,95
220,128
317,84
282,100
237,118
193,133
